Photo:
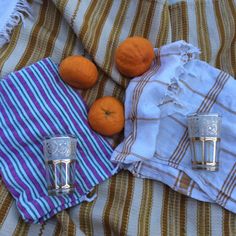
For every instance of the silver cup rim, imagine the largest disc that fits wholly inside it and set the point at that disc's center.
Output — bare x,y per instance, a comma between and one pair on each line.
204,114
59,136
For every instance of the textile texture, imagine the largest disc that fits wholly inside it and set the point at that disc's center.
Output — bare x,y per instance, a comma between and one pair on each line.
125,205
11,14
36,103
156,143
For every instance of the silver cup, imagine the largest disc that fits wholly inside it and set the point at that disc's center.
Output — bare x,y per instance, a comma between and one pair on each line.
60,157
204,133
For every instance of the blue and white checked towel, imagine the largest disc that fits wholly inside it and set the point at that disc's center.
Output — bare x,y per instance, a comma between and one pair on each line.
156,143
34,103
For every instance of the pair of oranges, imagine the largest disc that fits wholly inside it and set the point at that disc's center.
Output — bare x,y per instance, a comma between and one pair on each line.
133,57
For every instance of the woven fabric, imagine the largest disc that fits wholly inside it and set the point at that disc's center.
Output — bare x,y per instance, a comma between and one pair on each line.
156,143
125,205
36,103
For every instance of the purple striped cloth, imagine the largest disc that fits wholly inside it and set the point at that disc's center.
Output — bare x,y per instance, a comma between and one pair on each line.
34,103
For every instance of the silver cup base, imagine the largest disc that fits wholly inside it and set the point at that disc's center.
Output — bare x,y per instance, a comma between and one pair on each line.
205,167
61,191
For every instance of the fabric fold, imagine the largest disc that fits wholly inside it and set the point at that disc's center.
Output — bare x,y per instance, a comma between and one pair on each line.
179,84
35,103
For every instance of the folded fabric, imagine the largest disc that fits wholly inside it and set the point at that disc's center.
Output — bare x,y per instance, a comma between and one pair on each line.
156,143
34,103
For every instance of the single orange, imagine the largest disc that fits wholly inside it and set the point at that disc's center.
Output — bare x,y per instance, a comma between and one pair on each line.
106,116
78,72
134,56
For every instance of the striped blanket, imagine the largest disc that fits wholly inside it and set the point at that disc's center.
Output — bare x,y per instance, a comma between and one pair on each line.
125,205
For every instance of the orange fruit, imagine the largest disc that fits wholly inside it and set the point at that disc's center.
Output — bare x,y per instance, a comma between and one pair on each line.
106,116
134,56
78,72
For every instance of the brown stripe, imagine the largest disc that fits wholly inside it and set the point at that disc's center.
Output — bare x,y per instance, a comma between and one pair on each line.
145,208
179,21
127,204
203,218
182,214
185,26
164,212
226,223
95,32
22,228
65,225
50,42
71,226
163,31
221,32
108,206
225,28
149,18
114,37
7,50
232,7
213,93
202,95
5,202
202,31
74,15
232,223
118,204
42,42
87,19
85,216
60,4
69,45
136,18
34,35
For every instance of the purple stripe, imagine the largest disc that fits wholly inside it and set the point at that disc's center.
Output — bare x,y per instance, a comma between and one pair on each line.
83,117
78,109
76,106
63,207
15,175
56,95
37,105
10,188
51,106
48,200
23,210
30,135
34,99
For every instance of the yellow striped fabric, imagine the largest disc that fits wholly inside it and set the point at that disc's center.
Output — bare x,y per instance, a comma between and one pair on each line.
125,205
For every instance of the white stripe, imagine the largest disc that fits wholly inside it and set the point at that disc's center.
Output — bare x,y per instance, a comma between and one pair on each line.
213,32
192,23
191,217
105,34
156,215
79,19
10,222
216,220
135,207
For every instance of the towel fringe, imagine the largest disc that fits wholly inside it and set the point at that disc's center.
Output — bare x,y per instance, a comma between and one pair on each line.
22,8
174,89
